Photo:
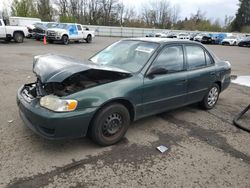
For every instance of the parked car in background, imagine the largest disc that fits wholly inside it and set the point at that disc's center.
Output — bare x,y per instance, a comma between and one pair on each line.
171,35
244,42
198,37
17,33
65,32
161,35
193,35
40,29
206,39
150,35
129,80
232,40
218,37
185,36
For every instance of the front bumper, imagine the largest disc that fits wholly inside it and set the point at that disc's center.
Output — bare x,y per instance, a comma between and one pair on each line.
56,38
53,125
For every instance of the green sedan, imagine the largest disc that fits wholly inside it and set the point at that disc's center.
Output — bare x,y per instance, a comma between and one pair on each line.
127,81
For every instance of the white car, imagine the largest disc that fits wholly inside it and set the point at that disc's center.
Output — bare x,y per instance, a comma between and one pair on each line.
66,32
232,41
18,33
199,37
161,35
183,36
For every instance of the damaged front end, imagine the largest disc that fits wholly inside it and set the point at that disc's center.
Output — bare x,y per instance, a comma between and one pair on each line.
59,76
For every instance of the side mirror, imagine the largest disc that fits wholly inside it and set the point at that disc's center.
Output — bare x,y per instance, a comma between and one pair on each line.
157,71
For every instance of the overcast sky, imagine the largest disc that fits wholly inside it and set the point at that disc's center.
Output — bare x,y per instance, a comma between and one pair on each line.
213,8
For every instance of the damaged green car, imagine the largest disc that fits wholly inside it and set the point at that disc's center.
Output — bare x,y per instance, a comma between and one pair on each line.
129,80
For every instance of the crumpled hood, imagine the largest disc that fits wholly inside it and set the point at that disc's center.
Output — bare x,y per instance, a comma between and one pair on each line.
56,68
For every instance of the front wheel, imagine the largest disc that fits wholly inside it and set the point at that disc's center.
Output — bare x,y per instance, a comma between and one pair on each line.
211,97
65,39
110,124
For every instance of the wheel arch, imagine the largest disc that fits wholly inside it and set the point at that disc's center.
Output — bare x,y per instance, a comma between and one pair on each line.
125,102
219,84
18,31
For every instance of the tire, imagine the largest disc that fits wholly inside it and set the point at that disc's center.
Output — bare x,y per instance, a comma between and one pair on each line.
65,39
235,44
89,39
211,98
18,37
110,124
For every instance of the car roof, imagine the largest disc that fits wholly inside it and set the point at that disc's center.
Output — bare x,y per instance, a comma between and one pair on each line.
162,40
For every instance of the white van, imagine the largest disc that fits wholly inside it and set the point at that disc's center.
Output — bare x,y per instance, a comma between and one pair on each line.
23,21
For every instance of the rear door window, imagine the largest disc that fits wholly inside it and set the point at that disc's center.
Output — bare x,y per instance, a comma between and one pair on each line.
171,58
195,57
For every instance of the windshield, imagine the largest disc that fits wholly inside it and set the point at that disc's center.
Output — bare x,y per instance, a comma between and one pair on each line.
62,26
128,55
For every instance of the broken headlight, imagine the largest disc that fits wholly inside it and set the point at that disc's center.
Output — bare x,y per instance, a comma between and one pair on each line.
56,104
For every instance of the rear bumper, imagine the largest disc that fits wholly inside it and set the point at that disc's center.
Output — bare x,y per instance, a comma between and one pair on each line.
53,125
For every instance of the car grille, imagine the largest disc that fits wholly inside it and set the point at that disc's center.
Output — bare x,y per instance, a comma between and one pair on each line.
51,33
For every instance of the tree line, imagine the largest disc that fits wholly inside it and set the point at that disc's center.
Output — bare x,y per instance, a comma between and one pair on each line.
153,14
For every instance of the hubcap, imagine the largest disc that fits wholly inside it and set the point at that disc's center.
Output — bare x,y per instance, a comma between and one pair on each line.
112,125
212,96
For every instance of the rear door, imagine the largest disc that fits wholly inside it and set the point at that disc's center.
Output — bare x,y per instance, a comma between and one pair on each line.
2,30
163,92
201,72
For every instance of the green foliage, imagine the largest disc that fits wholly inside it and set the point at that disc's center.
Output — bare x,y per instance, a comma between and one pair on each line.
23,8
68,19
242,17
198,22
45,10
245,29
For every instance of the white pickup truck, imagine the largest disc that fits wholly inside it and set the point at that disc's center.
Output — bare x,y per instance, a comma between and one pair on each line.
65,32
8,33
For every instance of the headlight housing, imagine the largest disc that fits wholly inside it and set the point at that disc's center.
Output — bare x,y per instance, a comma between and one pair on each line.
56,104
58,33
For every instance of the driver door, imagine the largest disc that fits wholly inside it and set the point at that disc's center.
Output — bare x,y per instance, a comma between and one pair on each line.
168,90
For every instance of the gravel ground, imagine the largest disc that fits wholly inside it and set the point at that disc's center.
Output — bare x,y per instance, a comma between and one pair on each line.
205,149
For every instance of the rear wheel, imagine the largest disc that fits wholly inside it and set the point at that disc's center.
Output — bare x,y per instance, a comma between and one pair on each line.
211,97
110,124
18,37
89,39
